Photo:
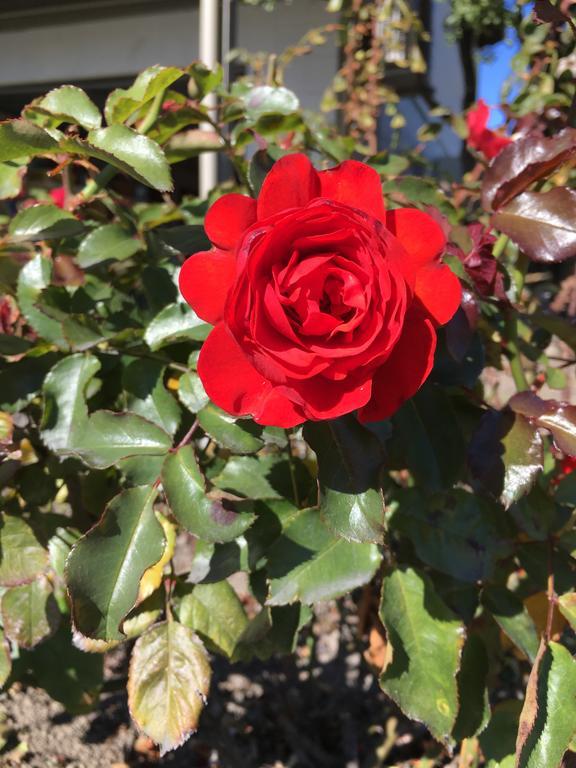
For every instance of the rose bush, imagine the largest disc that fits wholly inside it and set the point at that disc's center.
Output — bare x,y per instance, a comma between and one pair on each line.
324,303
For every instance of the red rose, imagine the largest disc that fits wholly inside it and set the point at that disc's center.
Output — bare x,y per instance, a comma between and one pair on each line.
481,138
323,303
58,196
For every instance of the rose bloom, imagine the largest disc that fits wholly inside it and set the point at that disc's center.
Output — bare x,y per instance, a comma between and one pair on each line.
489,143
323,303
58,195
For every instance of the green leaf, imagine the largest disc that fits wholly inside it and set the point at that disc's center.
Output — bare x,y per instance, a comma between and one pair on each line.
5,660
13,345
430,439
474,712
267,99
185,489
128,151
499,738
350,461
70,105
29,612
538,515
426,640
34,277
122,103
21,138
104,568
271,632
567,606
20,381
513,618
65,411
168,683
170,123
191,392
458,533
547,722
309,564
249,476
108,242
146,395
138,471
12,175
235,434
204,79
67,674
22,558
43,222
176,322
215,612
109,437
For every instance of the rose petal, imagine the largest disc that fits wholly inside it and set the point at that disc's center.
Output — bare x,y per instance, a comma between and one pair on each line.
439,290
324,399
421,237
228,218
205,279
405,371
477,120
234,385
292,183
354,184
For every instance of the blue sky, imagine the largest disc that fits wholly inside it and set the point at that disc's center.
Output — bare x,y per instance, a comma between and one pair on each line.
493,72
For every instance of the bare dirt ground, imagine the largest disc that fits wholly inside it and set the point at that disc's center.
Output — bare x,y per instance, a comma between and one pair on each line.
320,709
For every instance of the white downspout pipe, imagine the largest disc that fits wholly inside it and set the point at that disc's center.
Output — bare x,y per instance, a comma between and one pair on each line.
208,48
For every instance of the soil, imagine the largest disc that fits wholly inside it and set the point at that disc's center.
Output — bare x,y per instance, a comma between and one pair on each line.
321,708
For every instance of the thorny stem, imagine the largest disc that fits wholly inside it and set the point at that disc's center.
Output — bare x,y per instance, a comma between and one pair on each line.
292,470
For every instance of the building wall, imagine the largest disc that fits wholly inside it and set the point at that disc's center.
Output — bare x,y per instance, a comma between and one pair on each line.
122,46
308,76
98,48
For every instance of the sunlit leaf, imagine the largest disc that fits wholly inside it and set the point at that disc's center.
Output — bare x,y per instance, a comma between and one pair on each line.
426,640
547,722
308,563
29,612
168,683
350,462
105,566
206,517
22,558
215,612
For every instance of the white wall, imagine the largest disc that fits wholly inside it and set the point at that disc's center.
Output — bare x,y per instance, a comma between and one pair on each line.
101,48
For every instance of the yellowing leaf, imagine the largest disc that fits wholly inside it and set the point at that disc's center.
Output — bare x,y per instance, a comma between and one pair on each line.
168,682
153,576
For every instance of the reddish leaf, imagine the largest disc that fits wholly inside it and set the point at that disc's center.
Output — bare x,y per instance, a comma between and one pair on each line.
522,163
557,417
545,12
542,224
